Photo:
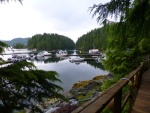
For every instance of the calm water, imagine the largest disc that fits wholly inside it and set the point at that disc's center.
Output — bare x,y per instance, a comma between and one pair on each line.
69,73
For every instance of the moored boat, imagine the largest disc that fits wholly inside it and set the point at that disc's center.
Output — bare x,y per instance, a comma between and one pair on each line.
61,53
76,59
40,54
17,58
45,53
93,51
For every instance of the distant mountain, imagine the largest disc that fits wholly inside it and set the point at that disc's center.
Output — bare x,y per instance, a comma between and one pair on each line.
16,40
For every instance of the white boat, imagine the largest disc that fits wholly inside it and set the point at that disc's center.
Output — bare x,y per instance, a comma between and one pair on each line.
40,54
76,59
45,53
93,51
61,53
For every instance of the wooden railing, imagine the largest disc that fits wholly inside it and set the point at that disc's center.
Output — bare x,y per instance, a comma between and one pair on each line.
113,97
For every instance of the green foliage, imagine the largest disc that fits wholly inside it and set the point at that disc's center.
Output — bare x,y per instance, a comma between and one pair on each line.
2,46
109,82
139,18
19,46
125,53
106,110
127,40
50,42
114,8
94,39
88,95
23,87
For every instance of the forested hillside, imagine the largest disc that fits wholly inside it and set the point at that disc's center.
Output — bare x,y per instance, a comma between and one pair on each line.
50,42
17,40
94,39
128,39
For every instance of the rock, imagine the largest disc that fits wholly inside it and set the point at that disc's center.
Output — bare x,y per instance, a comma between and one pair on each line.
80,90
109,76
52,110
95,93
91,85
61,104
73,102
66,109
69,95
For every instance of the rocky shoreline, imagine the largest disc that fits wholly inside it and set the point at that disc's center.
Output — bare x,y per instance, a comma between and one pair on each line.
79,94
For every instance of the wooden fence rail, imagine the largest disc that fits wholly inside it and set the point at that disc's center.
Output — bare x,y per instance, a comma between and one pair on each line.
113,95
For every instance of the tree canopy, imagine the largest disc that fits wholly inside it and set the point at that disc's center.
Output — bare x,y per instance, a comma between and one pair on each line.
94,39
19,46
50,42
23,87
128,37
135,13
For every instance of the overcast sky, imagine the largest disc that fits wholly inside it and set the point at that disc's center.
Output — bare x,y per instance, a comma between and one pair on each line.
70,18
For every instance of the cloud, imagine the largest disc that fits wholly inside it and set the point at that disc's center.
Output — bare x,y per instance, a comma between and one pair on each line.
66,14
66,17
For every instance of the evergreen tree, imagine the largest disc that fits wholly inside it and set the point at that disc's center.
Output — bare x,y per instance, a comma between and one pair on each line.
50,42
19,46
95,39
23,87
127,40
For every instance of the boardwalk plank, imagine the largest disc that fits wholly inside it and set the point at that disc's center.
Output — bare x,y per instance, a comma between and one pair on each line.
142,102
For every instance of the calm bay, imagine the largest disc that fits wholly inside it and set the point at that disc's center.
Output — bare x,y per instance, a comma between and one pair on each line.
69,72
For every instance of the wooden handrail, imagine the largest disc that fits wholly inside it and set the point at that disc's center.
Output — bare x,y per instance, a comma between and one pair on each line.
114,95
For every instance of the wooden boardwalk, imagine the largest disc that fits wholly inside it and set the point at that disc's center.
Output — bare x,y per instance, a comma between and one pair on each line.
142,101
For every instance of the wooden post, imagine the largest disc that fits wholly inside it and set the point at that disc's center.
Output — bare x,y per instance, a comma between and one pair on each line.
137,79
131,94
117,102
136,84
147,64
140,77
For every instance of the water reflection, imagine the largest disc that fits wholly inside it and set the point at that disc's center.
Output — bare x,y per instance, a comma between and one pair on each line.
69,72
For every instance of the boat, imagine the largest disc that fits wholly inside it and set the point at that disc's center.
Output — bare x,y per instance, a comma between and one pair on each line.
93,51
40,54
61,53
17,58
45,53
76,59
97,60
31,55
14,55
